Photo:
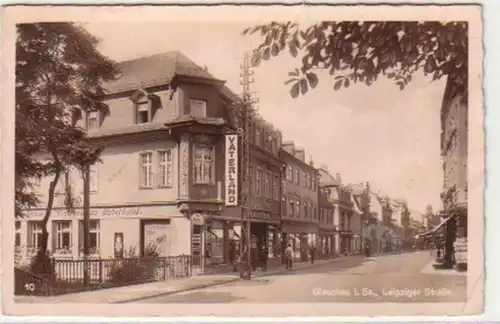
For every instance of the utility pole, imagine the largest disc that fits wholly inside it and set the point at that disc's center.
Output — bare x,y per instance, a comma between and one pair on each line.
244,115
86,220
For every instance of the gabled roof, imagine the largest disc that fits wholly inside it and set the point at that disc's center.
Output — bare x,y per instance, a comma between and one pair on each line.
154,70
326,179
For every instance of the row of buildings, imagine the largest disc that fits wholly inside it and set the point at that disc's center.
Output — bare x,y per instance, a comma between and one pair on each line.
167,172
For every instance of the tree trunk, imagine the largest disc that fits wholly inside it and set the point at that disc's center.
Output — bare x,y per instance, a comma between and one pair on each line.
41,265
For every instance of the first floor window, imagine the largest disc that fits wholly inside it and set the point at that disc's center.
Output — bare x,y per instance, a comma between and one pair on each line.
204,164
146,166
267,185
297,208
62,236
290,206
276,191
34,235
165,165
198,108
18,234
258,182
297,176
93,177
289,173
94,237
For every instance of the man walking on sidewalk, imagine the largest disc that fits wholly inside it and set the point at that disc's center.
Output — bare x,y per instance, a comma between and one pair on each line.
312,252
289,256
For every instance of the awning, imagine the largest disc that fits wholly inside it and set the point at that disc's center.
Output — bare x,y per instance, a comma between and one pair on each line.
437,228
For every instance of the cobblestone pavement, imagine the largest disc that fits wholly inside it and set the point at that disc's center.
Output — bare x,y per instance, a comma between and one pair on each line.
390,278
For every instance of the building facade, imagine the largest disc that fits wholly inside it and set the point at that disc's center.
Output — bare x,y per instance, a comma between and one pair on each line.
454,143
265,177
160,183
300,200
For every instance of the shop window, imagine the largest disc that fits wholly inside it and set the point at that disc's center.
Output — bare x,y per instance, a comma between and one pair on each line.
146,170
198,108
165,168
94,237
62,237
204,167
34,235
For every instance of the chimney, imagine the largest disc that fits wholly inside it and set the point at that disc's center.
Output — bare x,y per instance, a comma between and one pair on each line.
337,176
301,155
205,68
289,147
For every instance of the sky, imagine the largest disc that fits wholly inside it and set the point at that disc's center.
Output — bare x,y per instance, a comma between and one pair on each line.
379,134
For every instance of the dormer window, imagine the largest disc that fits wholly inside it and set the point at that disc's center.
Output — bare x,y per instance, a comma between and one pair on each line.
93,119
143,113
145,106
198,108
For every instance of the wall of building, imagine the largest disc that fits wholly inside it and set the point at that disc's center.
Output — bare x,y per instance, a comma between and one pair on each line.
125,220
295,188
454,148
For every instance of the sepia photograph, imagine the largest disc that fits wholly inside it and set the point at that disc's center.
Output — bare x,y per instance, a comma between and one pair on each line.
277,162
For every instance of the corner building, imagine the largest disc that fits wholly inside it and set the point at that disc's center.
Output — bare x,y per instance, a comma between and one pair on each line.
161,180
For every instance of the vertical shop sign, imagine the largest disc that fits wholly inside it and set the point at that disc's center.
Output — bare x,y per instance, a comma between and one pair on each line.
231,170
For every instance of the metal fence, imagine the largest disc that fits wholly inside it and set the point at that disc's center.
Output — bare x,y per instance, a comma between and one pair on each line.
68,275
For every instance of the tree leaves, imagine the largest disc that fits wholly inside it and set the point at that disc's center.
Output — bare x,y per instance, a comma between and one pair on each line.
338,85
57,66
294,90
313,79
366,50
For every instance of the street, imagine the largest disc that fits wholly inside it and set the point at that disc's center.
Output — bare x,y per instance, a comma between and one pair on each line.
390,278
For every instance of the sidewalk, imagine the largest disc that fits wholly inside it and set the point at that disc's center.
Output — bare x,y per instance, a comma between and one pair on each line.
429,269
143,291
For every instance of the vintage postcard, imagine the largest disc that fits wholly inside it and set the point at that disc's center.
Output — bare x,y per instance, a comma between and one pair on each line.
242,160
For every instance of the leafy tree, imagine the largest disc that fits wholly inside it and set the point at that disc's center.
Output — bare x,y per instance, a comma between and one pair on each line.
355,52
58,77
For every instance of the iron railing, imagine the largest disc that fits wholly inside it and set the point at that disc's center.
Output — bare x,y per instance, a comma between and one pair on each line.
68,275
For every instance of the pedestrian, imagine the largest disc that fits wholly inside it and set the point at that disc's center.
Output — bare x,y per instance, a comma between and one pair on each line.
289,256
263,257
312,252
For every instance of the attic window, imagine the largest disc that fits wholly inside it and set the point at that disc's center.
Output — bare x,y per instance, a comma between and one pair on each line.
145,106
143,113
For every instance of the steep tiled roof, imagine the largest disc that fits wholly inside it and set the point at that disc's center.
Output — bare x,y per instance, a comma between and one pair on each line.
326,179
154,70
